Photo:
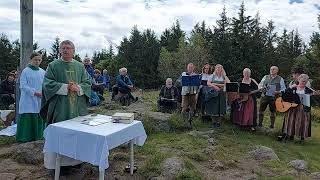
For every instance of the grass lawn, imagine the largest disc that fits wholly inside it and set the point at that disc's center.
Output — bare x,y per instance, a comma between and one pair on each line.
232,144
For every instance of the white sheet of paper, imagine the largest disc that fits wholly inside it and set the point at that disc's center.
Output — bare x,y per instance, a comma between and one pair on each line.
270,90
305,99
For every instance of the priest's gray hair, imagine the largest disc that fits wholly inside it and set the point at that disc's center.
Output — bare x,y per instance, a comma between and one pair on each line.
247,70
67,42
303,77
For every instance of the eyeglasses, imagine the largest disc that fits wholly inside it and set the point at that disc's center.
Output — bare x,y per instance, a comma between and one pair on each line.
66,48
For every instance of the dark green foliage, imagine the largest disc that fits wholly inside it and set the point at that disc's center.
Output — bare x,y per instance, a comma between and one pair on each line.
9,56
140,55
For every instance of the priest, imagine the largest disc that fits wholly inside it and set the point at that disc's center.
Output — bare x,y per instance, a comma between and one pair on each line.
66,92
66,87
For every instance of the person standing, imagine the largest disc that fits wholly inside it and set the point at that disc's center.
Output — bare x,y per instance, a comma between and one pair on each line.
30,125
216,105
66,93
297,120
66,87
188,93
244,113
274,84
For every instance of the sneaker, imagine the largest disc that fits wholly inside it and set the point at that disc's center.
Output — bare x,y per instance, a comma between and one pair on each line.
127,169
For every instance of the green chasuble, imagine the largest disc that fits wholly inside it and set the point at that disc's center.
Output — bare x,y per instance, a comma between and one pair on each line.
56,107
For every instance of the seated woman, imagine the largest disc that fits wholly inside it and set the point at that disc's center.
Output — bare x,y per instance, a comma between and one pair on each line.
206,72
167,101
215,100
7,91
297,120
244,113
124,84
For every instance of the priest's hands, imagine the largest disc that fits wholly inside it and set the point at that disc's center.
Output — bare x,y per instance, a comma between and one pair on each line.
73,87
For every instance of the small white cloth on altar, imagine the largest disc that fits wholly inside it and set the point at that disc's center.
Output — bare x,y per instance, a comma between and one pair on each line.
90,143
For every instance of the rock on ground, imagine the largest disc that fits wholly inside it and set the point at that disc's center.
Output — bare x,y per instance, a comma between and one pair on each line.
171,168
299,164
216,165
204,134
28,153
315,175
7,176
264,153
159,120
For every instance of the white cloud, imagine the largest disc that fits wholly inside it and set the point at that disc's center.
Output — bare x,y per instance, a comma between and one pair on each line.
92,24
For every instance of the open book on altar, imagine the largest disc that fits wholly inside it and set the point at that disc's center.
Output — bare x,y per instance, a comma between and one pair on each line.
191,80
93,119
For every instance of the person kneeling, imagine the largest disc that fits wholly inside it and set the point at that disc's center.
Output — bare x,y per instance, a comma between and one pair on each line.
167,101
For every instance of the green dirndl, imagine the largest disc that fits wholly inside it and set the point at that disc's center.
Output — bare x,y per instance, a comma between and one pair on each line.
215,102
30,127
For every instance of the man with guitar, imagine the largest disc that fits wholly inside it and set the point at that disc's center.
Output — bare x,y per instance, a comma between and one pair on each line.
273,84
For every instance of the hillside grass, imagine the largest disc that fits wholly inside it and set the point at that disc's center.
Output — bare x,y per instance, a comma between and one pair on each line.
232,145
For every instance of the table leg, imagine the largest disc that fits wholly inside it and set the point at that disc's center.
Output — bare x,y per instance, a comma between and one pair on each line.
57,168
131,157
101,173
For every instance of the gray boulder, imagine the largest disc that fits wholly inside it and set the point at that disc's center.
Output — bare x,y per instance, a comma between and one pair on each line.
264,153
158,120
315,175
7,176
28,153
171,167
300,165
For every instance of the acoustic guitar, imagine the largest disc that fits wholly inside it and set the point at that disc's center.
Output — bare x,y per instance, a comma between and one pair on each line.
245,96
283,106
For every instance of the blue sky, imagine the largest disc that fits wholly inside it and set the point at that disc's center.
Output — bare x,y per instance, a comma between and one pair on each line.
94,24
295,1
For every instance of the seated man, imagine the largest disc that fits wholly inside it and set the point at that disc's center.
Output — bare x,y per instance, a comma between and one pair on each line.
168,96
7,91
124,84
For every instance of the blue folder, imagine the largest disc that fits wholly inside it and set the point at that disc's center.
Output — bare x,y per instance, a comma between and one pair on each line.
191,80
